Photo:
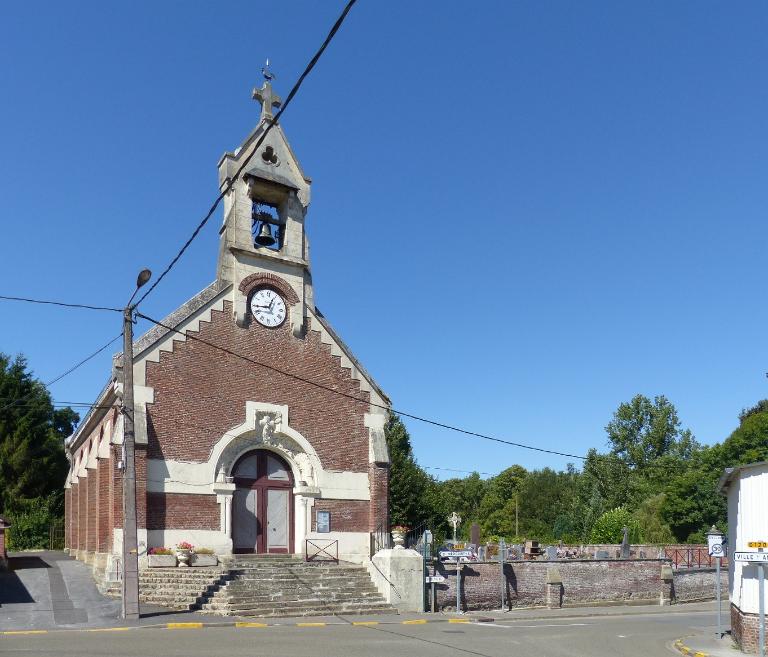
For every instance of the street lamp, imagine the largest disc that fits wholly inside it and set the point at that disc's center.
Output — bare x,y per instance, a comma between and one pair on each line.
130,606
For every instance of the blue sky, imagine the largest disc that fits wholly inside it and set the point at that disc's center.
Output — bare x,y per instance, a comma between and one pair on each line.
523,213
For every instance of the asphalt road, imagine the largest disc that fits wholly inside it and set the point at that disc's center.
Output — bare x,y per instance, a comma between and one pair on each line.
630,635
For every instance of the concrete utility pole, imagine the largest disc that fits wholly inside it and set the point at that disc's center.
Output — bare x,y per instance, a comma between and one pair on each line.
130,606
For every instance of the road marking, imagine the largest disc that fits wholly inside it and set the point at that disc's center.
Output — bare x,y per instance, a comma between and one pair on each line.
365,622
512,627
184,626
415,622
310,624
26,632
244,624
110,629
458,620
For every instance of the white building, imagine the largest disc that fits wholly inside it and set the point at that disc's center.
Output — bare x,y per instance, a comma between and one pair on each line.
746,487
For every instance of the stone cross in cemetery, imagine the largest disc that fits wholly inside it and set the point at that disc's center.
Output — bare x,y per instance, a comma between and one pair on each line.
455,520
625,544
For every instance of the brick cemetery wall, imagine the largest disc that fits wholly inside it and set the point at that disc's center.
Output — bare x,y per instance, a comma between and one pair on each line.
583,582
698,584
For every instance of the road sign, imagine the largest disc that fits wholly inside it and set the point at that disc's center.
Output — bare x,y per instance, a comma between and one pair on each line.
717,550
453,554
715,541
434,579
751,556
758,544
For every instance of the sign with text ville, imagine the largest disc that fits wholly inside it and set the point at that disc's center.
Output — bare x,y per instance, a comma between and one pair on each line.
751,556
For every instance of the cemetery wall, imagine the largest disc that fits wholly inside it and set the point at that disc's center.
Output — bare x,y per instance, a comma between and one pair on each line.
698,584
583,582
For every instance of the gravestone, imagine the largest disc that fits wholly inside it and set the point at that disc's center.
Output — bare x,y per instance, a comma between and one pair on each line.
601,554
625,544
551,553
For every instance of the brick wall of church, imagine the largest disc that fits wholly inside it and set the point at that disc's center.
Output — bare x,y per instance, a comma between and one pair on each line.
104,529
200,392
346,515
82,512
182,511
92,484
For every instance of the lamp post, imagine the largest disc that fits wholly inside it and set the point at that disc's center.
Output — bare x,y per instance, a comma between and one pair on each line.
130,606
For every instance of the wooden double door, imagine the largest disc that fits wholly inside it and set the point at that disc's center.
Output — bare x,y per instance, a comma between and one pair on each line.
262,507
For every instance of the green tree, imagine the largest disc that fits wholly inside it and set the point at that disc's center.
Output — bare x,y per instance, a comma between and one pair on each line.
609,527
650,521
32,461
643,431
409,502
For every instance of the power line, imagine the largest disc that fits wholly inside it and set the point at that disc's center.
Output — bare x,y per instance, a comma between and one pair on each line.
340,393
434,467
63,374
60,303
272,122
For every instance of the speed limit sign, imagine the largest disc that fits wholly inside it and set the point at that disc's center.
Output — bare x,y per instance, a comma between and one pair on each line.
717,550
716,541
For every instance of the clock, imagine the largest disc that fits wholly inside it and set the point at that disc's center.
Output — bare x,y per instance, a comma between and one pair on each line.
268,308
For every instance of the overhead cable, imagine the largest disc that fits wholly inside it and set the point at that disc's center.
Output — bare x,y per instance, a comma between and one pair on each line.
271,123
340,393
60,303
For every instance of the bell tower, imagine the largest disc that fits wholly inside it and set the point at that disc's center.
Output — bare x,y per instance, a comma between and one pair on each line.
263,232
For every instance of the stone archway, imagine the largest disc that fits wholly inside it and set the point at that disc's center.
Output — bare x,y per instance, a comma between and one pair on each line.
266,429
262,504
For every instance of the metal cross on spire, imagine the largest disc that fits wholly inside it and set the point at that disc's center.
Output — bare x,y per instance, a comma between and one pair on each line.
265,95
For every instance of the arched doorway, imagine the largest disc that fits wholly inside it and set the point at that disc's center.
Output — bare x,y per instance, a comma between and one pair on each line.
262,506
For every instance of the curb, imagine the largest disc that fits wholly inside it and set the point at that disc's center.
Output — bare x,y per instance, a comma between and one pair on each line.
689,651
248,624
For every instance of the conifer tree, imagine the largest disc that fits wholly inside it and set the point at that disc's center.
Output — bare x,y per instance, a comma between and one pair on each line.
32,432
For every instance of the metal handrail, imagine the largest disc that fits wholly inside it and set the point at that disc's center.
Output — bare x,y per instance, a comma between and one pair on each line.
324,553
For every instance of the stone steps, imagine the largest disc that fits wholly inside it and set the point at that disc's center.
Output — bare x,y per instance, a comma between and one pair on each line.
236,600
265,585
308,609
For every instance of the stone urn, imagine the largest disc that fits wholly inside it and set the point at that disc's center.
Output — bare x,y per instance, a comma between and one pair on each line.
398,537
183,555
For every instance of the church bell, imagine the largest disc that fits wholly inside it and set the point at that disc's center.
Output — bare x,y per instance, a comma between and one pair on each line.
265,238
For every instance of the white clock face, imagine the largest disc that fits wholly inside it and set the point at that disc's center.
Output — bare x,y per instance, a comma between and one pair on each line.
268,308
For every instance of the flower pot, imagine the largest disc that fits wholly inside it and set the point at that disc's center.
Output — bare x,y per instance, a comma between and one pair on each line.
161,560
183,557
398,538
203,560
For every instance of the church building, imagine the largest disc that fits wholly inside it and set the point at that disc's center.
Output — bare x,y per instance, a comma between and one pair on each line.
256,427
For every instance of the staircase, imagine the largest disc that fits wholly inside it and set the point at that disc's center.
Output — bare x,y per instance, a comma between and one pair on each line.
178,588
270,585
266,585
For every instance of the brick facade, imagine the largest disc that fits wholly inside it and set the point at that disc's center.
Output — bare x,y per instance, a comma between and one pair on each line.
182,511
200,392
346,515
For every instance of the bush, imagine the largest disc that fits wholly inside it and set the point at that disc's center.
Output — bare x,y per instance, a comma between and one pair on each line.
30,525
204,550
609,527
160,550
